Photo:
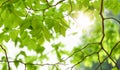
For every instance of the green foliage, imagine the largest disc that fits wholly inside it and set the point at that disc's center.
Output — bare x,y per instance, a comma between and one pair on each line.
31,67
58,51
4,66
110,5
30,23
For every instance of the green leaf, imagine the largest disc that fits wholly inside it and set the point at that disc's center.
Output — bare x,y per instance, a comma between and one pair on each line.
57,28
40,49
21,53
43,6
49,22
4,67
31,67
30,59
64,23
64,6
88,63
47,34
30,43
50,12
16,63
14,34
23,34
43,57
63,31
25,24
37,22
58,55
114,68
6,37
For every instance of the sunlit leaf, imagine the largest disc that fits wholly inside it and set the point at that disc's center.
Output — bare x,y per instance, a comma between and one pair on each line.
4,66
40,49
30,59
16,63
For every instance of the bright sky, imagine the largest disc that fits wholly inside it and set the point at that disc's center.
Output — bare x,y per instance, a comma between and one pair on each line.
82,22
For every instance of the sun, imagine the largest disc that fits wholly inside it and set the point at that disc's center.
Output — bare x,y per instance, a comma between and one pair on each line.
82,20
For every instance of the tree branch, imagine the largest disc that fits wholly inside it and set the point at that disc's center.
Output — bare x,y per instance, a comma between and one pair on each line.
81,60
37,64
48,3
99,59
113,19
6,57
59,2
114,47
80,50
101,63
103,32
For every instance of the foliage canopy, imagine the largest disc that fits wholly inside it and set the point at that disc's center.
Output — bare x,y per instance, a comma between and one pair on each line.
30,23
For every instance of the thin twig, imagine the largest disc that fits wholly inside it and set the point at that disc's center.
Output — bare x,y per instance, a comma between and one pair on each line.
59,2
113,19
80,50
6,56
25,67
114,47
81,60
99,59
101,63
103,32
58,63
110,57
48,3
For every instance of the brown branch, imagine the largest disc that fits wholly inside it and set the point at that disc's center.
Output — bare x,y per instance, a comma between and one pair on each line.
48,3
99,59
104,61
58,63
109,56
103,32
49,6
6,56
81,60
101,63
45,64
37,64
114,47
79,50
113,19
25,67
58,2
